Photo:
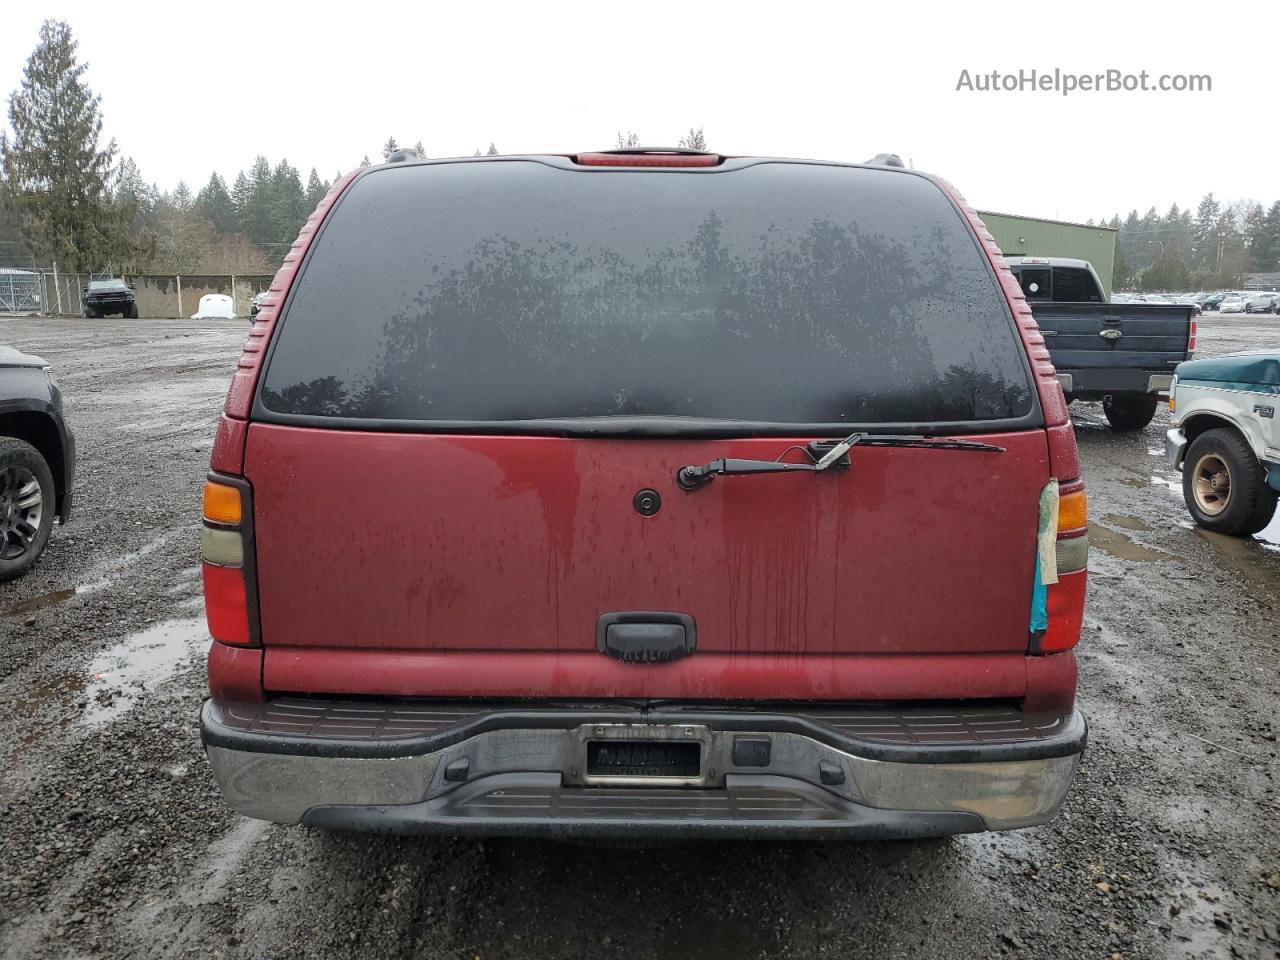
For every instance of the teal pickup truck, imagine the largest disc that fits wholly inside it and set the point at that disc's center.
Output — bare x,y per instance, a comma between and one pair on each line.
1226,439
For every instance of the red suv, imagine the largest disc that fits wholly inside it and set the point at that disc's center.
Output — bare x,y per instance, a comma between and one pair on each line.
644,493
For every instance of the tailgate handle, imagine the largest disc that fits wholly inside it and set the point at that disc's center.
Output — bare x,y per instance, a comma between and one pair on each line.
645,636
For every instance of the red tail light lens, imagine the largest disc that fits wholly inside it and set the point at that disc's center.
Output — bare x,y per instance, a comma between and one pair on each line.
1191,343
1066,613
226,604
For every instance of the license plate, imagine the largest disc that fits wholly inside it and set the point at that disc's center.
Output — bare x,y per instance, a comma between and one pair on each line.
644,758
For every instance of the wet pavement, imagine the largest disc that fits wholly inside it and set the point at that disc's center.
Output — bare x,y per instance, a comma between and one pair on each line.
114,842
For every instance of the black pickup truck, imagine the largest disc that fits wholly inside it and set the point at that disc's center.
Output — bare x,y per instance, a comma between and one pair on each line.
1120,353
102,297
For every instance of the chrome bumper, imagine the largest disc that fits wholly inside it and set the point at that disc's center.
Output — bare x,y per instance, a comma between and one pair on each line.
1175,447
522,779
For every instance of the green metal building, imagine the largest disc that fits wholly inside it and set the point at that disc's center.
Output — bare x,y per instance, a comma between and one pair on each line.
1029,237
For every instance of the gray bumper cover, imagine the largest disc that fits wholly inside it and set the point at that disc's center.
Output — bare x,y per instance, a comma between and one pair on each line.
511,771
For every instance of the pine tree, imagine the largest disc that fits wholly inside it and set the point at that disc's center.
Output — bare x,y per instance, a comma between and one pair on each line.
1255,237
57,175
492,151
181,198
215,205
422,151
316,190
256,220
240,194
365,161
694,140
1268,257
389,148
288,203
1204,247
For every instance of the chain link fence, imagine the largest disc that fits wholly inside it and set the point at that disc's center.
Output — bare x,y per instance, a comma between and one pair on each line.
34,291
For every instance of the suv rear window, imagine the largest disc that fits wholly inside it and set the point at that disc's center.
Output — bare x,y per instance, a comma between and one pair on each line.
492,292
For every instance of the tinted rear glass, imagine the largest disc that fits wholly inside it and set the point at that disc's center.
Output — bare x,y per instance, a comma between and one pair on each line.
1075,285
515,290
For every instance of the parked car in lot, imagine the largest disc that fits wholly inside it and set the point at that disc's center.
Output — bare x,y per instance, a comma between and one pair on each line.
1262,303
1214,301
1120,353
1232,304
255,305
659,445
37,460
103,297
1226,440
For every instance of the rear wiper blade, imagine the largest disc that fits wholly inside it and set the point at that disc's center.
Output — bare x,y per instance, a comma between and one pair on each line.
833,454
839,449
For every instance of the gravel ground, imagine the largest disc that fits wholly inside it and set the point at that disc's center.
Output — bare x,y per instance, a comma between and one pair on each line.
114,842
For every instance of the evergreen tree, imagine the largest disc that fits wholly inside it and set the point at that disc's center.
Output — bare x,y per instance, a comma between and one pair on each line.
1204,247
492,151
389,148
214,203
1268,253
240,193
181,198
56,175
316,190
693,140
365,161
288,203
256,221
422,151
1255,237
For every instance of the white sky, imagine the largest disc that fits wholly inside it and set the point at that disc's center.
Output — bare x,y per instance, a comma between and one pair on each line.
189,88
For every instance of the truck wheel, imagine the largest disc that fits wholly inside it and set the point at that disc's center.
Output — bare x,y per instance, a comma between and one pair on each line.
132,312
1130,411
26,506
1224,485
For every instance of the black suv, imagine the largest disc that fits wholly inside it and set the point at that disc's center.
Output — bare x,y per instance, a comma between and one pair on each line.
37,460
102,297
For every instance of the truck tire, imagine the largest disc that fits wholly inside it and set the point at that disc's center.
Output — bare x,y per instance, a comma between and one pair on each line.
132,312
1224,485
1130,411
27,502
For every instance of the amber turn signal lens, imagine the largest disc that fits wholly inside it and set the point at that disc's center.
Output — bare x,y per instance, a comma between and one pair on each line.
1073,511
221,503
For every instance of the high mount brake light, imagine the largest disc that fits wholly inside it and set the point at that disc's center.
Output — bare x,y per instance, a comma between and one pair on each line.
226,562
648,159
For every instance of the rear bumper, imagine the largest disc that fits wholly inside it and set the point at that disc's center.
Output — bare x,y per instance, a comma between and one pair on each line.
1095,382
457,768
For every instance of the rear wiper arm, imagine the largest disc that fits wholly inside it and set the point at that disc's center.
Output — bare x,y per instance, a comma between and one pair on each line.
691,477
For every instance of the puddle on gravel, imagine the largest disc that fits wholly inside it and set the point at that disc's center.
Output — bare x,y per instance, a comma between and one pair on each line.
99,577
1173,485
119,675
1118,545
1124,522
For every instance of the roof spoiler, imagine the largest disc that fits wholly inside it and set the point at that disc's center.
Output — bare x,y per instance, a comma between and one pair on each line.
886,160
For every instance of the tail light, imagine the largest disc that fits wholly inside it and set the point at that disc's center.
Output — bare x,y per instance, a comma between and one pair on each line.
226,548
655,158
1191,341
1062,561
